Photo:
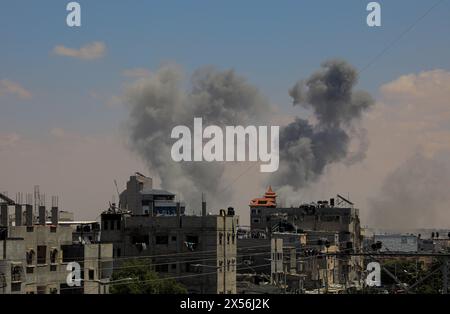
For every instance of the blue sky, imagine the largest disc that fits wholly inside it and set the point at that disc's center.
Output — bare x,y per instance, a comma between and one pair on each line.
55,121
272,43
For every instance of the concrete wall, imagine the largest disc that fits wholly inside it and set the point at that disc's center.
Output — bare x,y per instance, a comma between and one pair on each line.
202,248
46,275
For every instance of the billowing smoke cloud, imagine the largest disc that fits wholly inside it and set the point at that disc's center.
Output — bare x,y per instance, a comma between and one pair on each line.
159,103
307,148
415,195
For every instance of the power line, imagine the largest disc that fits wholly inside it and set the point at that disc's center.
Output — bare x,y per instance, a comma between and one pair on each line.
400,36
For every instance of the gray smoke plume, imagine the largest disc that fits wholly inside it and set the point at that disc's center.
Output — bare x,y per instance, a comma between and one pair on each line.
159,103
306,148
415,195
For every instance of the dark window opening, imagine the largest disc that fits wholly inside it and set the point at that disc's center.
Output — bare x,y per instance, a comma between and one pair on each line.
192,239
16,273
162,268
53,256
162,239
91,274
41,254
16,287
30,257
140,239
174,238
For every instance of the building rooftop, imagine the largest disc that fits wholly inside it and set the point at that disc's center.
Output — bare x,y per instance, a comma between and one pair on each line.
156,192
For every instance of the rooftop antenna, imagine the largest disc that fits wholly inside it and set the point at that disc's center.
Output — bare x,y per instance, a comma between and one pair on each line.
117,190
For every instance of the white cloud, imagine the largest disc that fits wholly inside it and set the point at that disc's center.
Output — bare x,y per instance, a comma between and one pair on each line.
433,84
89,51
136,72
13,88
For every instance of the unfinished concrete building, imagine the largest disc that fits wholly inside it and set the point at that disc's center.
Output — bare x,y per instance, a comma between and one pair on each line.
34,255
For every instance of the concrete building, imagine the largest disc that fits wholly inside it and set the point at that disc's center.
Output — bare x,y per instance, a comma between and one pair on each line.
199,251
34,257
201,248
140,198
336,219
397,243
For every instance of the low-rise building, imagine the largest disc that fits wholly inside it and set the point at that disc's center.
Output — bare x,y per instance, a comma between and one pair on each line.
34,257
398,243
198,251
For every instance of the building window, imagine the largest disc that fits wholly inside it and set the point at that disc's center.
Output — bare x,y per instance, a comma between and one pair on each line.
105,224
162,239
192,239
220,265
228,238
41,289
91,274
118,224
162,268
256,220
119,252
41,254
174,238
30,256
173,266
53,291
16,273
53,256
140,239
220,238
16,287
112,224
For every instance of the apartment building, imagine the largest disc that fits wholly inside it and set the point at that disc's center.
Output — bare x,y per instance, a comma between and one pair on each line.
34,255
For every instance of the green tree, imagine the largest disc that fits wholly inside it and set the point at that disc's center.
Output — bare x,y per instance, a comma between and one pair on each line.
137,277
